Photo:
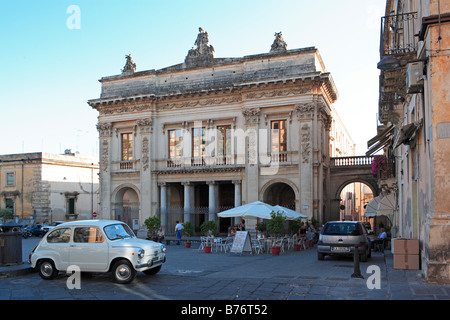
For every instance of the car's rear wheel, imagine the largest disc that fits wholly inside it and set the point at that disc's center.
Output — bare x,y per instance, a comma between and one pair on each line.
320,256
123,272
47,270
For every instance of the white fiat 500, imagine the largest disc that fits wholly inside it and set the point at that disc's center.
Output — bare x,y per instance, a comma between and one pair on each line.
97,246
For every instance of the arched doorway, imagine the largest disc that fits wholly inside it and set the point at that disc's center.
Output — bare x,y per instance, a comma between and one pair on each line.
126,206
280,193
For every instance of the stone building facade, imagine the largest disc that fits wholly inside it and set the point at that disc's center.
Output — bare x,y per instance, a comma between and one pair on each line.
415,116
190,140
42,187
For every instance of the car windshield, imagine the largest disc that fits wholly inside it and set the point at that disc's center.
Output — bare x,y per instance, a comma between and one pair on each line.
118,231
339,229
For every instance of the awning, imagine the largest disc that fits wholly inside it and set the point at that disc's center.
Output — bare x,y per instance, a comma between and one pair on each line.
406,133
371,208
380,140
382,205
386,205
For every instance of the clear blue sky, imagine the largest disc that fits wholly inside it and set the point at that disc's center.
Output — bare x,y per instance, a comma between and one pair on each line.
50,71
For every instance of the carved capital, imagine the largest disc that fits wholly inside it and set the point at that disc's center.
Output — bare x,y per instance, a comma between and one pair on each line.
145,125
305,111
104,129
251,115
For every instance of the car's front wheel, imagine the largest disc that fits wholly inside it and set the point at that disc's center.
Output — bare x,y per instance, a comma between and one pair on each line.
153,270
123,272
47,270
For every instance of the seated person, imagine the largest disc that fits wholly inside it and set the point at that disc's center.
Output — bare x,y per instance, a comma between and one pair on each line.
160,235
380,240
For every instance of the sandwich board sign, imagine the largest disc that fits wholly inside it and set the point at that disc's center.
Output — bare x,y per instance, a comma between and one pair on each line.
241,243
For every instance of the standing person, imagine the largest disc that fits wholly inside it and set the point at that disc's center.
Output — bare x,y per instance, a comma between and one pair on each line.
178,229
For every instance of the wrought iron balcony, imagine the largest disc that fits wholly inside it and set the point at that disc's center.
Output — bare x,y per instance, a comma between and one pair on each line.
398,34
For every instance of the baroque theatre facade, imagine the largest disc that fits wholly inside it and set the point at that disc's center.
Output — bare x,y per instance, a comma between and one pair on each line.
188,141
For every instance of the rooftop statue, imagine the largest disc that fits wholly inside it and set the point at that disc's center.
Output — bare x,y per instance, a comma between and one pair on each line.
279,45
130,66
203,52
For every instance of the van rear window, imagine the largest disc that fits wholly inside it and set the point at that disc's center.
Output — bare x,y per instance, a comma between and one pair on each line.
339,229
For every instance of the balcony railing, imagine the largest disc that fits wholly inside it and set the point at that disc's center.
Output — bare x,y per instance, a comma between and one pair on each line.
398,34
125,166
352,161
275,158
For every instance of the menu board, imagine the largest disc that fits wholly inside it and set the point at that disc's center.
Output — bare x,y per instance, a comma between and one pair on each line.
241,242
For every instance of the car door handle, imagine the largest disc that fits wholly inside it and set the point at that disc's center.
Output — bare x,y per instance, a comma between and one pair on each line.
72,245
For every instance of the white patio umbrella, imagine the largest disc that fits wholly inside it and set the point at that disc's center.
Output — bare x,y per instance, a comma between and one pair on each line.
386,205
255,210
372,207
289,214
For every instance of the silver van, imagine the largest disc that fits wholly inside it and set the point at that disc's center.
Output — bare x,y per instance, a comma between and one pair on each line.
340,238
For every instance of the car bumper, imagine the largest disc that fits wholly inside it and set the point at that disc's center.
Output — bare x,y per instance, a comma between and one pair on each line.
151,263
336,249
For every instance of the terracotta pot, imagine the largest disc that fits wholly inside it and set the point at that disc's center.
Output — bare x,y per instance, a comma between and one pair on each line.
207,249
275,251
297,247
187,244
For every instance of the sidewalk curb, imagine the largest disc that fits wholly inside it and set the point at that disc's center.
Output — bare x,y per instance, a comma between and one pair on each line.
15,271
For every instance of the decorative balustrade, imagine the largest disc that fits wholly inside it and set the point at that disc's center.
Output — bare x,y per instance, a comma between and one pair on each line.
352,161
125,166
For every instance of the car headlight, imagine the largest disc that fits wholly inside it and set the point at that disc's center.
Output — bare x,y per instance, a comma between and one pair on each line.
163,248
141,253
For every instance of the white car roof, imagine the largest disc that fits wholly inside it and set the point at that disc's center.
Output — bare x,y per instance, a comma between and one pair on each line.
98,223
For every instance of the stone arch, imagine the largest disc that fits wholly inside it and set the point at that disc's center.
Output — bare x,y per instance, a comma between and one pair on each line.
370,184
126,203
335,205
280,191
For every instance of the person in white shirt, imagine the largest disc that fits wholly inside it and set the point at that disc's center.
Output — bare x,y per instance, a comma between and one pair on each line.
178,229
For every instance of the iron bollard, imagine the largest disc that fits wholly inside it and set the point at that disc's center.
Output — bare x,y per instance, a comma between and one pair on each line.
356,271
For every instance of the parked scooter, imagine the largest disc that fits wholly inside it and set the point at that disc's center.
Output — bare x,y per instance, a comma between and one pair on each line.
26,233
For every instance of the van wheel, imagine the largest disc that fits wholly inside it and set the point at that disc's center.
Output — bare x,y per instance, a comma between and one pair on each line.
320,256
123,272
47,270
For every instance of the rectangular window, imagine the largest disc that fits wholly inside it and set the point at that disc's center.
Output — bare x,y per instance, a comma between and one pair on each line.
9,206
278,136
127,146
59,236
87,235
198,142
10,179
175,144
71,206
224,140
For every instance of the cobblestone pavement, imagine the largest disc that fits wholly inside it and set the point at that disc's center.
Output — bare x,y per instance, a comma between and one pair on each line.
190,274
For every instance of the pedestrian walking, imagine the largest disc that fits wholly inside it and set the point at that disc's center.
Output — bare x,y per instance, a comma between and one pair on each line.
178,229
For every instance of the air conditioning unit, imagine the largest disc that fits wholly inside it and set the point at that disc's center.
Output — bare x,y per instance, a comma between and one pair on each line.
414,77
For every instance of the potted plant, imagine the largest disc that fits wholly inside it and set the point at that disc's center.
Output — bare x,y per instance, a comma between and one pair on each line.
294,226
274,226
152,224
209,228
188,230
262,227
